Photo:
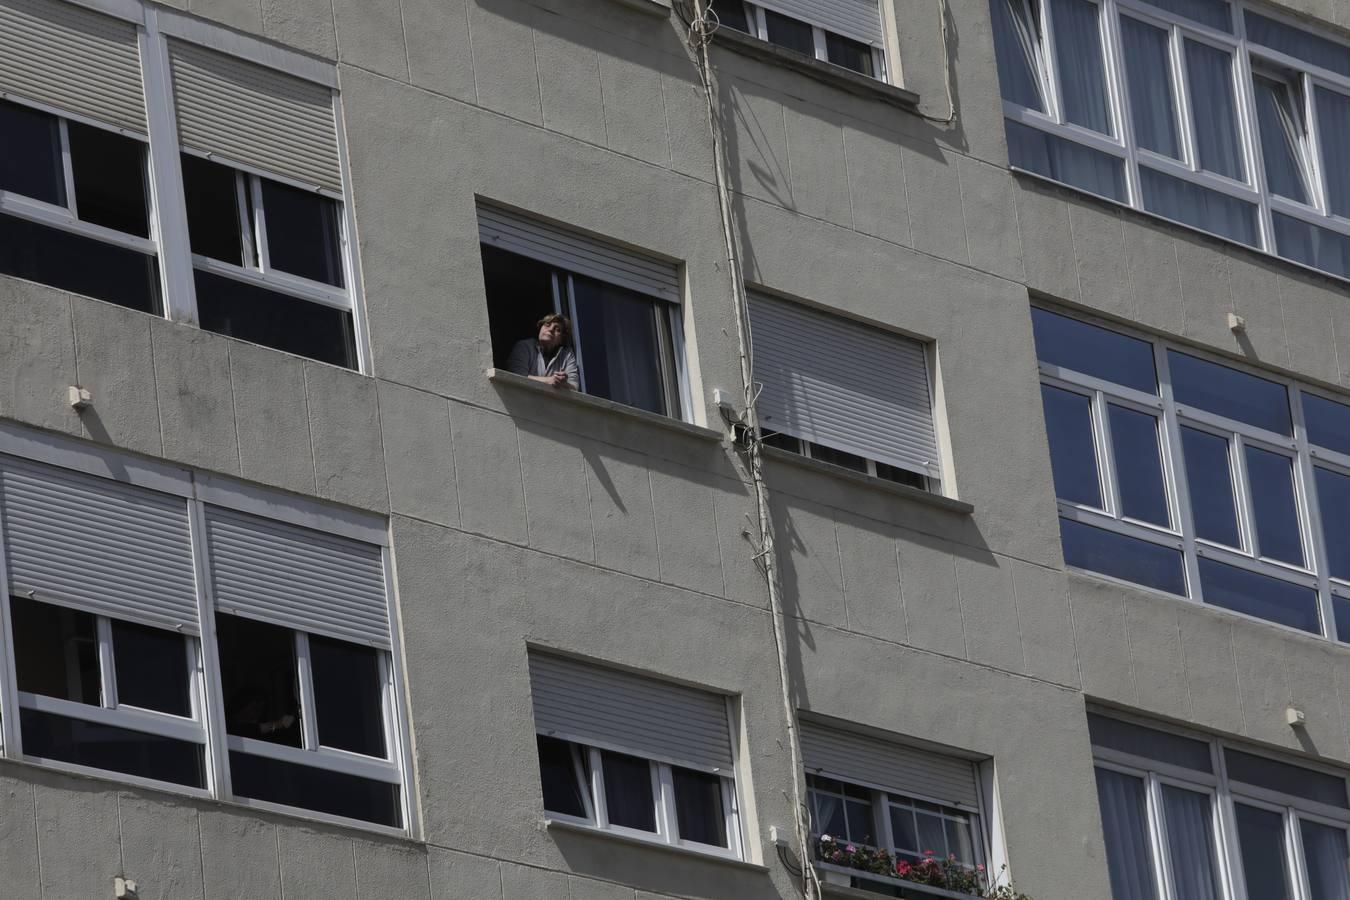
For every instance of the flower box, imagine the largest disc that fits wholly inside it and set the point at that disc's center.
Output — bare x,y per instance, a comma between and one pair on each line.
831,874
928,877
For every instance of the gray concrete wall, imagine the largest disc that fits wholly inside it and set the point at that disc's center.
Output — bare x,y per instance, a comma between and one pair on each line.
518,519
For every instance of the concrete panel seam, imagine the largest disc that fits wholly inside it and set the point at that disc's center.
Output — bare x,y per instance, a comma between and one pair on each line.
656,527
403,26
234,405
1017,613
309,426
454,466
1073,630
524,493
961,608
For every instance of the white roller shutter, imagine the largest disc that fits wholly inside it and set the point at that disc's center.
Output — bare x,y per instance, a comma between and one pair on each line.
843,385
303,579
888,766
98,545
519,233
254,115
857,19
620,711
72,59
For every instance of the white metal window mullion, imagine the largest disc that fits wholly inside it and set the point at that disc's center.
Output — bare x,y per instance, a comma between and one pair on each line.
10,742
1320,188
106,664
588,802
1106,457
576,331
1118,85
881,820
1157,833
1315,545
67,168
309,729
264,259
1298,864
1190,154
248,255
663,788
1228,843
731,814
166,176
1171,433
598,788
1242,495
399,735
1053,105
822,49
760,24
213,716
351,257
1249,125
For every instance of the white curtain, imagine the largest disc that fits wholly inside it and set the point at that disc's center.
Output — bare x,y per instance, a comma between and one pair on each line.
1199,207
1212,104
1152,106
1078,54
1324,850
1190,843
1317,247
1124,823
1281,140
1333,121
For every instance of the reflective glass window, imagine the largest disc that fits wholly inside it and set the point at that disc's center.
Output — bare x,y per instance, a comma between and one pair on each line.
1123,557
558,773
1214,13
1333,128
1199,207
348,696
1016,38
1209,478
1326,859
252,313
1261,838
41,253
1282,138
1092,350
110,179
303,233
30,154
1138,457
1285,778
1067,162
1333,496
101,746
790,33
1190,842
56,651
1073,458
1259,595
1151,743
1129,855
622,339
258,678
1275,510
850,54
1152,100
1328,422
1214,109
731,14
1311,245
152,668
1298,43
1229,392
322,790
1078,56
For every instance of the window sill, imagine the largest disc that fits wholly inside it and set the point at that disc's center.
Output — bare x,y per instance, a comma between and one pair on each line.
912,888
835,76
687,852
502,377
870,482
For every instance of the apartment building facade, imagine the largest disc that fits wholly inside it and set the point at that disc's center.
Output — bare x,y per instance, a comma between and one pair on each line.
308,595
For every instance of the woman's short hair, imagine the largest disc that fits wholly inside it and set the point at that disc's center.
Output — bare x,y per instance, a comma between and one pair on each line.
560,320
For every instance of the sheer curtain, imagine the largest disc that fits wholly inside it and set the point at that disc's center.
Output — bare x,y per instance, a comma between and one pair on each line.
1078,54
1190,843
1312,246
1212,104
1261,837
1124,822
1333,121
1152,105
1015,42
1281,139
1324,851
1200,207
620,351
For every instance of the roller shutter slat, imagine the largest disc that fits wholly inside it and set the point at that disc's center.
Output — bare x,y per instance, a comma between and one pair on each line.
856,19
73,59
889,766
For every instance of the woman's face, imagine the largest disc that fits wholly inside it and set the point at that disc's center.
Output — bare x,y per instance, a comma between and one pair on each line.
550,335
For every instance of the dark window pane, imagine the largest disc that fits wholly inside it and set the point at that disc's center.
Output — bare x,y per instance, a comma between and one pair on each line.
519,294
348,696
1333,499
1228,392
1210,480
1127,558
334,793
904,831
1271,477
1328,864
1333,125
258,678
698,807
152,669
558,772
731,13
1189,820
932,836
1261,838
628,791
1067,162
828,814
853,55
959,842
1073,456
902,476
1328,422
1285,778
1259,595
861,827
115,749
782,441
1214,109
620,348
1298,43
30,154
1340,610
55,651
1092,350
276,320
1129,857
212,196
790,33
302,233
104,272
1134,436
1187,203
1149,743
838,458
1303,242
109,173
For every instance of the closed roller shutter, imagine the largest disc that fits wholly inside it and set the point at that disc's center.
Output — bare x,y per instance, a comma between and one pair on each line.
888,766
303,579
72,59
254,115
843,385
519,233
98,545
617,710
857,19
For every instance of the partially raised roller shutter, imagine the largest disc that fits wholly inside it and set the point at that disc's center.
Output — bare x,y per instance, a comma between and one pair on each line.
856,19
73,59
97,545
888,766
254,115
843,385
518,233
617,710
303,579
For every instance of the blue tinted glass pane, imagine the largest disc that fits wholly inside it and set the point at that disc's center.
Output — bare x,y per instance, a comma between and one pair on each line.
1214,109
1324,852
1015,39
1080,347
1211,486
1261,837
1199,207
1333,126
1305,243
1214,13
1134,437
1333,500
1259,595
1286,778
1149,742
1066,162
1271,477
1122,557
1328,422
1078,53
1068,424
1152,104
1129,859
1230,393
1298,43
30,154
1340,608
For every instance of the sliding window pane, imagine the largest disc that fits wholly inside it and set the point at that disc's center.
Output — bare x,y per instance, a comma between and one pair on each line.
1073,457
1082,347
1328,863
1129,858
302,233
1259,595
1333,126
790,33
628,791
211,193
109,174
731,14
1228,392
274,319
1271,478
1333,500
1068,162
1214,109
1340,611
1078,55
306,787
1134,438
1261,839
853,55
1190,843
1210,479
348,696
1303,242
558,773
1152,102
78,264
152,668
30,154
1129,559
1016,45
1282,139
1199,207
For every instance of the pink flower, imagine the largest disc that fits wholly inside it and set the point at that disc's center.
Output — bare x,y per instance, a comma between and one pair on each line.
979,867
928,853
851,849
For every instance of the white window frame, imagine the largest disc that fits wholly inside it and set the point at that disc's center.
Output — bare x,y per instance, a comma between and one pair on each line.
932,484
1247,57
168,241
754,17
1314,574
1225,795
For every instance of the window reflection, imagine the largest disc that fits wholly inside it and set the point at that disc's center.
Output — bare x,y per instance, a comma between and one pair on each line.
1210,482
1073,459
